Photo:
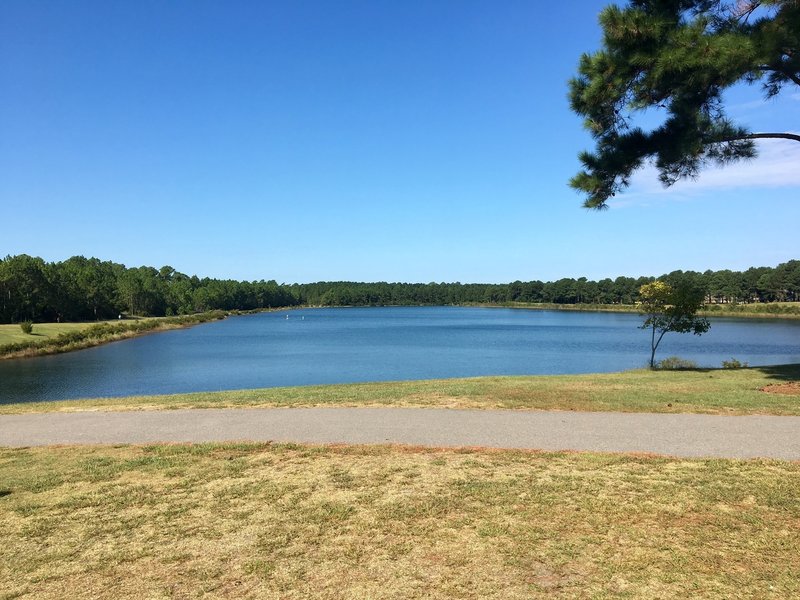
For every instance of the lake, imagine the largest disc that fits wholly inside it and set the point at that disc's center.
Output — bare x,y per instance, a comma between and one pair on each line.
348,345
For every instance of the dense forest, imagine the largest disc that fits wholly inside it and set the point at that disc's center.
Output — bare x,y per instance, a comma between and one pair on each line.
80,289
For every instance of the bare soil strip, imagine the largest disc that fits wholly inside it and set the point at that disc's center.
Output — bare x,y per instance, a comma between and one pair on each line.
788,389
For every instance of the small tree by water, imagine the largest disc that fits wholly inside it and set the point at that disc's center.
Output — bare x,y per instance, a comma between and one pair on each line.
670,308
27,327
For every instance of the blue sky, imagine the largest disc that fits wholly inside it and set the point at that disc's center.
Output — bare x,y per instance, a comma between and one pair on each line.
358,140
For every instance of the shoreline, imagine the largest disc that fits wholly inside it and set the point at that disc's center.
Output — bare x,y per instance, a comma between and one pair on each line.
106,332
97,334
765,390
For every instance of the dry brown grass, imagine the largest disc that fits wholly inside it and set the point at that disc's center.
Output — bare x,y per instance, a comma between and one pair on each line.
287,521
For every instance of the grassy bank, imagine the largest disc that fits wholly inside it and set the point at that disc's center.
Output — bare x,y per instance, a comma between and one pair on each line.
771,310
715,391
52,338
780,310
10,333
287,521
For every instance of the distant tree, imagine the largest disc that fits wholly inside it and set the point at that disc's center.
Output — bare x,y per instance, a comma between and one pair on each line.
143,291
86,288
792,278
678,56
670,308
26,293
605,291
624,290
180,294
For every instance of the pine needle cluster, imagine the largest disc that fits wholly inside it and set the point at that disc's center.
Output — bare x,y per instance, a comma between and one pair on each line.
677,57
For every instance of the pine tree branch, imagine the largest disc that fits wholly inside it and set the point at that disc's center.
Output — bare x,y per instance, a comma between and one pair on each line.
791,76
760,136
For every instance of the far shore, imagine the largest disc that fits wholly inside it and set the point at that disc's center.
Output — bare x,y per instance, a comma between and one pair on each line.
746,311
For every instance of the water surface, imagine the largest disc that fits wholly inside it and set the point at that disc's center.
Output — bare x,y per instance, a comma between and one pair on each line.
347,345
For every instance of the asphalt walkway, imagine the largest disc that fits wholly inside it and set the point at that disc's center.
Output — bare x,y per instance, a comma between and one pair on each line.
682,435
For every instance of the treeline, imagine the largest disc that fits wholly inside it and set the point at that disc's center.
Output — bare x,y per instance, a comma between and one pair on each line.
757,284
81,289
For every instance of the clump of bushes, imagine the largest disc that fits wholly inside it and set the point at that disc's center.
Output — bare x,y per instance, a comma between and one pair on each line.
734,364
27,327
675,363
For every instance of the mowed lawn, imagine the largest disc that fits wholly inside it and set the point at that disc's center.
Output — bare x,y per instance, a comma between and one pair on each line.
712,391
12,333
289,521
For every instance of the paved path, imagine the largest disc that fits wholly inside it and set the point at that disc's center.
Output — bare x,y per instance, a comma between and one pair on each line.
671,434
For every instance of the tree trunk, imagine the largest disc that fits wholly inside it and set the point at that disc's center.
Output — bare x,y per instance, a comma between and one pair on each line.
653,348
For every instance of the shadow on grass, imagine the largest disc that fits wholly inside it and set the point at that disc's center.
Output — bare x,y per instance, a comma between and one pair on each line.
781,372
5,493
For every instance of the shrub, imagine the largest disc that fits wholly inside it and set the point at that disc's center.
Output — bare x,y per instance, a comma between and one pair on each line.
675,363
27,327
68,337
734,364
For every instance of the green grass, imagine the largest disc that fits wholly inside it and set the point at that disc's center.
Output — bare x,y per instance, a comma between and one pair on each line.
715,391
781,310
75,336
291,522
12,334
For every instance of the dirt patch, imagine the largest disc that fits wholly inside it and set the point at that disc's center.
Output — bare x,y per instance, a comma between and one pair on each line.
790,389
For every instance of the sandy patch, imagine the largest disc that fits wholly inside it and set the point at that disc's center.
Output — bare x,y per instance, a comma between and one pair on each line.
790,389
